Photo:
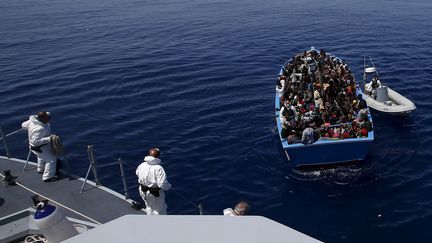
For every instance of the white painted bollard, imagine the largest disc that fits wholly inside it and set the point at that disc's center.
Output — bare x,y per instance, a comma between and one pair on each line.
53,224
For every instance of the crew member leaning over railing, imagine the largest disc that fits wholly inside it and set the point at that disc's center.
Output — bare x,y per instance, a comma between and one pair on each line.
39,136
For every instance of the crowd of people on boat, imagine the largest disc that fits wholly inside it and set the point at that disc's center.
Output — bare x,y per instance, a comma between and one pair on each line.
318,100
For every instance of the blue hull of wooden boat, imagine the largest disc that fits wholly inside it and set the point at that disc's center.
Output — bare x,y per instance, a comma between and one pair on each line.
324,152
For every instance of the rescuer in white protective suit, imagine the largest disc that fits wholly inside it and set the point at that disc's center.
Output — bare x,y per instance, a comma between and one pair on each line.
153,182
240,209
39,134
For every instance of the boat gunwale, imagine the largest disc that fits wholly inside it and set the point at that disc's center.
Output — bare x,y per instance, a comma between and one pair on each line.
322,142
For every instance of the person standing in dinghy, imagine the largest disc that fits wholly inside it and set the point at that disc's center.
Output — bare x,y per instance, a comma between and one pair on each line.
372,86
153,183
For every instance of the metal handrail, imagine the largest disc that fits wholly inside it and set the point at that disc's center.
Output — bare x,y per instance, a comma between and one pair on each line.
91,155
93,163
3,137
364,66
5,143
94,166
123,177
12,133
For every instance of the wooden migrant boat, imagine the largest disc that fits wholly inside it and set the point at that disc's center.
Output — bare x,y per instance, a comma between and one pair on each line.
341,122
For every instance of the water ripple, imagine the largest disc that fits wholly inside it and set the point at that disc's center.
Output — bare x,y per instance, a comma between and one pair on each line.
128,75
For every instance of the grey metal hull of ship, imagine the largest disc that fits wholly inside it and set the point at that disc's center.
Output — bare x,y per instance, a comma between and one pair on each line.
104,216
95,205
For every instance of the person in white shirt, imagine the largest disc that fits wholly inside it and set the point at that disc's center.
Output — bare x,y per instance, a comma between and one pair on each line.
240,209
39,136
372,86
317,96
153,183
280,85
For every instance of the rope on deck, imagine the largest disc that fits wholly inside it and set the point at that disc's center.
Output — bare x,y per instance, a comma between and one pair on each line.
59,204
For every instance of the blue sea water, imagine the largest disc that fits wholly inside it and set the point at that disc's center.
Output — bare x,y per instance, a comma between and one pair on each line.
196,78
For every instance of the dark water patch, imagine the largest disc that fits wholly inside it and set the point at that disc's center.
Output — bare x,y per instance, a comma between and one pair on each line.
196,78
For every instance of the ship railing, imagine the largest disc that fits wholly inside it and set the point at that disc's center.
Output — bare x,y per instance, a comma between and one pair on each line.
6,147
92,158
94,166
9,155
3,138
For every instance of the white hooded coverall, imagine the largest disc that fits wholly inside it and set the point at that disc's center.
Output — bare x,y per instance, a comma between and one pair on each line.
39,136
151,174
229,212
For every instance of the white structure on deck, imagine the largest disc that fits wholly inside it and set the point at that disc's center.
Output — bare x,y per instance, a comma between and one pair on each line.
192,229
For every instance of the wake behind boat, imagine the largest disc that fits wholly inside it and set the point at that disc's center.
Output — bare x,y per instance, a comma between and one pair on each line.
383,98
320,113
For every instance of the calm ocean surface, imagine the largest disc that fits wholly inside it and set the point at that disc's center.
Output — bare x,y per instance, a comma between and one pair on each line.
196,78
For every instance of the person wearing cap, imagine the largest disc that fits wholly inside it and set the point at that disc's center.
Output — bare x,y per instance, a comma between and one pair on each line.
153,183
39,136
240,209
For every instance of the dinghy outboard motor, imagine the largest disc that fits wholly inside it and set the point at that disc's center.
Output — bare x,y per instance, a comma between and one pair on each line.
382,94
52,222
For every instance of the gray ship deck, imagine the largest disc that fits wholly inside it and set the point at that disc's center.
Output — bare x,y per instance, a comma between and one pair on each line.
100,205
65,191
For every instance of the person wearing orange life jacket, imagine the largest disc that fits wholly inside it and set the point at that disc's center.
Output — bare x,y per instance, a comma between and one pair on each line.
39,136
153,183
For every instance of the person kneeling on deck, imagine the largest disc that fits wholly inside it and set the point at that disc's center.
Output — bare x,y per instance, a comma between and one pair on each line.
240,209
153,182
39,136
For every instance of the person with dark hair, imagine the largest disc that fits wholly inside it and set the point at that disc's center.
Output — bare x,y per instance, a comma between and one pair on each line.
321,95
332,90
153,182
317,96
280,85
240,209
39,136
308,135
372,86
362,104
